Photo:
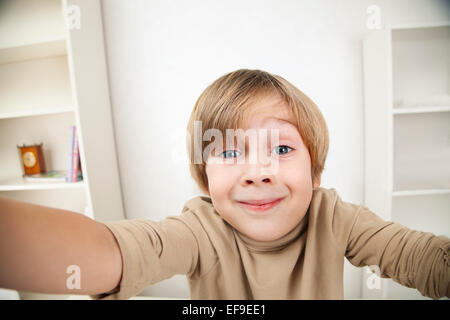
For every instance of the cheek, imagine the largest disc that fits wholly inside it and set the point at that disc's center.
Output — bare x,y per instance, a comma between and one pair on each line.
221,180
296,174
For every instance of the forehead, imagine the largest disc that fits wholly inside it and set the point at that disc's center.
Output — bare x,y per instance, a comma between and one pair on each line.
268,112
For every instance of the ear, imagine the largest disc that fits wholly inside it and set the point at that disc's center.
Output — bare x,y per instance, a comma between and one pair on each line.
316,183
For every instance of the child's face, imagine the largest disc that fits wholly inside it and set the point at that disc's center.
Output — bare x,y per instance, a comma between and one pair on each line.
233,185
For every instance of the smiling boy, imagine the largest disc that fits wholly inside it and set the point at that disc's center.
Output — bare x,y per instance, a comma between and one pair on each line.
260,233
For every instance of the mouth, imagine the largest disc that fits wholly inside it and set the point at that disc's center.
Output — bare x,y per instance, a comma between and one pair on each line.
260,205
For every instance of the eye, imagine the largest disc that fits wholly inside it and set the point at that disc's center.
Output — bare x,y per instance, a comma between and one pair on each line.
230,154
282,149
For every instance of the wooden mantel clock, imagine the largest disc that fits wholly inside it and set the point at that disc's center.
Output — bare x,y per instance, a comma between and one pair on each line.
32,159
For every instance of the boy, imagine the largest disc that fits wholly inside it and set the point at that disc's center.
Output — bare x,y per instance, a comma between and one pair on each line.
266,230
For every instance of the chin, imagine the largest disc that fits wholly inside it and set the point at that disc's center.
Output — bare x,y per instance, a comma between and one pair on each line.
265,234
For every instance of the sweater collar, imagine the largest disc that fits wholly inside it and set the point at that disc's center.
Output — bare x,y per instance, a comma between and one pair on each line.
277,244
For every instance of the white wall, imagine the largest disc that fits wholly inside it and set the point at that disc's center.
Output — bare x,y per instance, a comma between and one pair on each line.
162,54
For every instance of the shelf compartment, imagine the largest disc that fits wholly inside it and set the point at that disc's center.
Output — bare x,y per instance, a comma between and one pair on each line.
410,212
421,151
35,84
420,62
26,22
52,130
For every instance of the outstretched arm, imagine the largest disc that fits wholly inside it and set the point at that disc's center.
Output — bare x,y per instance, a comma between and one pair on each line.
412,258
38,244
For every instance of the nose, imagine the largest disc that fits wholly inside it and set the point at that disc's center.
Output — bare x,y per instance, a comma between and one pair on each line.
254,176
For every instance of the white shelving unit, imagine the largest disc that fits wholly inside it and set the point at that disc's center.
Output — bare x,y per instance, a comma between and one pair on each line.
50,79
407,132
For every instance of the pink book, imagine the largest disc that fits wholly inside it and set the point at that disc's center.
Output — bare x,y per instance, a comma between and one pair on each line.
70,171
76,158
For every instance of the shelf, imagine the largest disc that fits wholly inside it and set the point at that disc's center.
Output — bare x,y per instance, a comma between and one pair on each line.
419,25
17,184
36,50
40,112
424,109
418,192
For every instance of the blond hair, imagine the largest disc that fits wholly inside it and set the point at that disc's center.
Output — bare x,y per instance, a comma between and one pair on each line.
224,102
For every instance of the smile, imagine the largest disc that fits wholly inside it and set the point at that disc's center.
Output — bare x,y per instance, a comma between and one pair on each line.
260,205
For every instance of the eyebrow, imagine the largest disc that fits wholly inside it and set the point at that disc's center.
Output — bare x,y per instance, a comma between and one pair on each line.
284,133
288,134
279,120
283,123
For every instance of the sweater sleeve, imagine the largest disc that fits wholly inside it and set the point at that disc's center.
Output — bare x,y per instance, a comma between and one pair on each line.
412,258
153,251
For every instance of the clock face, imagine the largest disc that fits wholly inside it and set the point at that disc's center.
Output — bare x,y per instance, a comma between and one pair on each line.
29,159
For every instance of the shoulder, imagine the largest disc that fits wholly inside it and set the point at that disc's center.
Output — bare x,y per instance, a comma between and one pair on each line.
202,209
201,212
323,205
213,234
202,203
328,202
323,198
330,215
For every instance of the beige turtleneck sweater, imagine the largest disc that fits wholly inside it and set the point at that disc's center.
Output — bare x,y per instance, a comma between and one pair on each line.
306,263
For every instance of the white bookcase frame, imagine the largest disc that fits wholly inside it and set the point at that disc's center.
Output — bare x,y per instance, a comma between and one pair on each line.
407,149
51,78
